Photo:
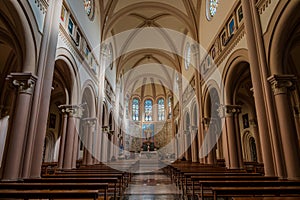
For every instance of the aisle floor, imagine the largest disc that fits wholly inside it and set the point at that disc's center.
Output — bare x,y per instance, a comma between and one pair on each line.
151,186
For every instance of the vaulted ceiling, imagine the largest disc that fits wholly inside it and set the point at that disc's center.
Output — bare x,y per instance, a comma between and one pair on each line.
145,33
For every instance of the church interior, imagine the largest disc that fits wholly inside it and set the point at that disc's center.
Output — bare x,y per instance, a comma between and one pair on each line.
150,99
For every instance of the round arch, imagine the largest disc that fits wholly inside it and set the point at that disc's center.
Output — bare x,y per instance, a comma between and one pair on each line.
283,23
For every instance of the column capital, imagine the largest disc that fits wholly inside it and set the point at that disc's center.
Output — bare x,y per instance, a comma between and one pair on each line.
24,82
229,110
72,110
89,121
281,83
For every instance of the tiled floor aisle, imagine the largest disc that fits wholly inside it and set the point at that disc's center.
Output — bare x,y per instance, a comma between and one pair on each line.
151,186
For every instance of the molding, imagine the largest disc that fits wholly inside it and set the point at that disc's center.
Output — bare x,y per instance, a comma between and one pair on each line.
262,5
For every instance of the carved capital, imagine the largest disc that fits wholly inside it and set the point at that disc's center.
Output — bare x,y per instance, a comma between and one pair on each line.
71,110
90,122
229,110
24,82
282,83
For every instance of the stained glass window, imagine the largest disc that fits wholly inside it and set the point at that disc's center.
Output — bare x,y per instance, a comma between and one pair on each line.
148,110
213,5
170,107
88,6
187,56
161,109
135,109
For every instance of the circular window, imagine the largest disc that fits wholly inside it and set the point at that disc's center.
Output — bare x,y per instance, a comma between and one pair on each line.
187,56
89,8
211,8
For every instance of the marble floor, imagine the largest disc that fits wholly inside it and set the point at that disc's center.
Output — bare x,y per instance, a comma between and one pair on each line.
151,186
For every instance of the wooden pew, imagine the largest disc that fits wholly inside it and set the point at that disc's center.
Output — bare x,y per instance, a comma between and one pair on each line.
81,180
54,186
229,178
281,191
245,183
50,194
119,176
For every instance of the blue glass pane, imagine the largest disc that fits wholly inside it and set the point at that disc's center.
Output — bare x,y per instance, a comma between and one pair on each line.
148,110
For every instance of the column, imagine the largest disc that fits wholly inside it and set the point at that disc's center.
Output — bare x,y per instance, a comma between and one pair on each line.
76,115
194,143
297,120
228,111
89,124
238,136
24,83
258,75
40,110
63,133
206,122
253,123
280,86
212,157
74,112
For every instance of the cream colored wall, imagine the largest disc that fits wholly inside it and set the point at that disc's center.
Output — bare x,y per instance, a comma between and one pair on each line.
91,28
209,29
267,11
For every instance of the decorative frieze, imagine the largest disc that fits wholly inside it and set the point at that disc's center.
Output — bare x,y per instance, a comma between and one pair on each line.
24,82
282,83
262,5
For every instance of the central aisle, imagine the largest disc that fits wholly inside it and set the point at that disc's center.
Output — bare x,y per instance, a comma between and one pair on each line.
151,186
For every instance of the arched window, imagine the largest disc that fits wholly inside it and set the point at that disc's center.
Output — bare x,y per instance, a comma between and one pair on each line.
253,149
211,8
135,109
161,109
169,107
148,110
187,56
89,8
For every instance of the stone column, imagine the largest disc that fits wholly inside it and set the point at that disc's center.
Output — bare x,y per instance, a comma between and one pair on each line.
89,124
45,70
194,143
211,158
24,83
228,111
74,112
63,135
258,71
297,120
280,85
253,123
206,122
238,136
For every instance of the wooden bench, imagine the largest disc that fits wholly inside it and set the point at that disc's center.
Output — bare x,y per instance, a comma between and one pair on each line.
227,178
54,186
109,181
255,191
49,194
245,183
